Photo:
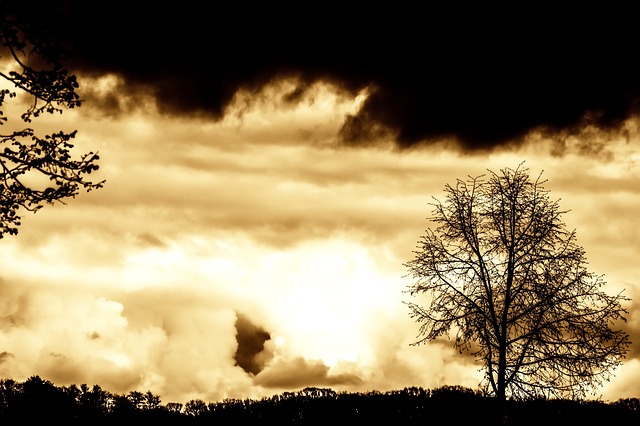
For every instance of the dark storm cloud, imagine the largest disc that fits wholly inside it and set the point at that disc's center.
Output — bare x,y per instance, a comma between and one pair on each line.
432,75
251,338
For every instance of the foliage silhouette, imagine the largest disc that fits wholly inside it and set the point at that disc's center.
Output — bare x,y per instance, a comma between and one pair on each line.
504,274
37,399
35,170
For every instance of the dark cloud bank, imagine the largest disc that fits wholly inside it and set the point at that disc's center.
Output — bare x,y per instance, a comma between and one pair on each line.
251,338
484,77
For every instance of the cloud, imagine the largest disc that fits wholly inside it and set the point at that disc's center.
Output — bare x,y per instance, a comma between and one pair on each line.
437,76
299,373
632,325
625,384
221,201
250,355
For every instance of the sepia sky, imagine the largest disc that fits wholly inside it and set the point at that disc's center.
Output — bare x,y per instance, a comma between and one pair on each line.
269,172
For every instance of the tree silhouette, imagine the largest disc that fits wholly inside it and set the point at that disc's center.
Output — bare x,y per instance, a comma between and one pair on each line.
39,400
196,407
35,170
505,275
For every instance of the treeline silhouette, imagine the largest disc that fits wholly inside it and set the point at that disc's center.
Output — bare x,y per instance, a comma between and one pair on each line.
37,399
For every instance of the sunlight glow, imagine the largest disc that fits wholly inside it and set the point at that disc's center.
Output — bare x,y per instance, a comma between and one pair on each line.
119,359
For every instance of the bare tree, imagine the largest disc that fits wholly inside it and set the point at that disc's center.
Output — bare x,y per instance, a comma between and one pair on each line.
505,276
36,170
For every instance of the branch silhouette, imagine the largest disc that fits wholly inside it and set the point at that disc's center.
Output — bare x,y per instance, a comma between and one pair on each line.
36,71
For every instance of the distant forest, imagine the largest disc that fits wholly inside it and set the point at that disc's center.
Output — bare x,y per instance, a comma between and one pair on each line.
36,399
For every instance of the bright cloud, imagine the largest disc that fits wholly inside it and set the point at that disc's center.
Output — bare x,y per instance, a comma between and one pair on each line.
138,285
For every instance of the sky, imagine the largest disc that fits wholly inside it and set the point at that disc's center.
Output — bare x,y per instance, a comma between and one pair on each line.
269,172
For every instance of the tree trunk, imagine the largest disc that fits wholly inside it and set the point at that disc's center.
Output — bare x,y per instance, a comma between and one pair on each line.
501,408
501,416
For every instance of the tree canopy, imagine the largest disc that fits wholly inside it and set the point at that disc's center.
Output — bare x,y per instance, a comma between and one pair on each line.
39,400
502,272
35,170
